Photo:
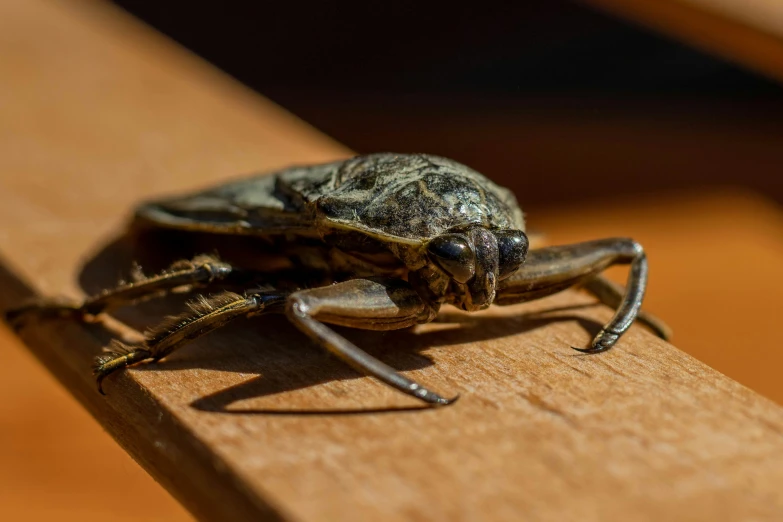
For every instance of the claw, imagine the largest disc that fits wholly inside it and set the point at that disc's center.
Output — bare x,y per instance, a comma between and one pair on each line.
15,318
433,398
109,362
99,369
100,386
446,402
590,350
602,342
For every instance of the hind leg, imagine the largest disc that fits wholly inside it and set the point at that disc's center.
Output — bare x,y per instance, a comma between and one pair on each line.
206,314
199,272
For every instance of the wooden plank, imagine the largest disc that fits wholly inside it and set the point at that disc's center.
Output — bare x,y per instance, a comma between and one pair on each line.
679,232
748,32
99,113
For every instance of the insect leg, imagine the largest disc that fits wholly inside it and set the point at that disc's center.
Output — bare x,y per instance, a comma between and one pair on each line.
550,270
372,304
611,294
199,272
205,315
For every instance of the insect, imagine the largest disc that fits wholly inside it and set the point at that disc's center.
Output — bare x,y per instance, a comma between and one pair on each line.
377,242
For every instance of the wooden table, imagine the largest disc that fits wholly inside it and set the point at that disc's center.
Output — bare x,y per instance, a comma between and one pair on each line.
98,113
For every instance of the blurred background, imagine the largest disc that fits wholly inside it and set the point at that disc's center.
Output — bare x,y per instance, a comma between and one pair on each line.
665,124
561,101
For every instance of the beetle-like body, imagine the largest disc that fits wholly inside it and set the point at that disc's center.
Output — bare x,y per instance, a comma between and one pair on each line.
375,214
398,235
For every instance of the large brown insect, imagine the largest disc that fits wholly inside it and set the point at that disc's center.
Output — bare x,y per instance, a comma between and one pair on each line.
390,238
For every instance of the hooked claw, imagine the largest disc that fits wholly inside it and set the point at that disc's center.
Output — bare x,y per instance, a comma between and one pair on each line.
602,342
446,402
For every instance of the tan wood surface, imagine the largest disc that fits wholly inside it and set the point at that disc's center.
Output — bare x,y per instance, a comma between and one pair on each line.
99,113
748,32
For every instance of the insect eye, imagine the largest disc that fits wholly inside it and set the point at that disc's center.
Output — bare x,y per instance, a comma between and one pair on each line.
512,250
453,253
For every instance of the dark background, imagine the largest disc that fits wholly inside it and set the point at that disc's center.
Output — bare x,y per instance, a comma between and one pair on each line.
556,100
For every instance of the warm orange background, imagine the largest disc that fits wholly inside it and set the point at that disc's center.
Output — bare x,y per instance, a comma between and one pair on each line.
56,463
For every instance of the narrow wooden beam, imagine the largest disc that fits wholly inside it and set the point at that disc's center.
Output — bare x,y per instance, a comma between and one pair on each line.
748,32
99,113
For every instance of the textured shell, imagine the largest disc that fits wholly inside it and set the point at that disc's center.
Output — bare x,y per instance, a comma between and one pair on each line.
411,196
403,198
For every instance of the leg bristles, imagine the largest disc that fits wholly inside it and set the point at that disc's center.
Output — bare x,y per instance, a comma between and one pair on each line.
118,357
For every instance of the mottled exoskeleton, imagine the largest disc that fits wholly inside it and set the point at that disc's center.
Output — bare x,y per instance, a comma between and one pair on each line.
392,237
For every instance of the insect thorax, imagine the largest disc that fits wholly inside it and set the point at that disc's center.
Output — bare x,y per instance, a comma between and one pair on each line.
411,197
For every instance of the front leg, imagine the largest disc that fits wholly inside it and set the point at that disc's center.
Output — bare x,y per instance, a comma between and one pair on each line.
370,304
611,294
550,270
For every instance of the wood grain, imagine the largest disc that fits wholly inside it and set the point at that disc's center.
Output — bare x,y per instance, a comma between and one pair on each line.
748,32
100,113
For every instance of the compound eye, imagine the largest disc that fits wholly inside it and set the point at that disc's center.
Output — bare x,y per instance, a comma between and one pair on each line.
512,250
452,252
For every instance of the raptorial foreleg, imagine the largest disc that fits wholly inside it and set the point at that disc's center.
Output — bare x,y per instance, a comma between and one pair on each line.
371,304
550,270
